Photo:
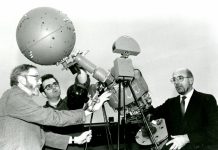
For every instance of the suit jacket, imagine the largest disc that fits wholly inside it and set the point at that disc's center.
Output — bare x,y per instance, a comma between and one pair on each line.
21,119
199,121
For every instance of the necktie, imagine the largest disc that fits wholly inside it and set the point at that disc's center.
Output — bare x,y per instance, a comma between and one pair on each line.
183,105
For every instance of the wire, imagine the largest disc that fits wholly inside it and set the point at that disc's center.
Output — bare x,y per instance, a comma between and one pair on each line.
86,145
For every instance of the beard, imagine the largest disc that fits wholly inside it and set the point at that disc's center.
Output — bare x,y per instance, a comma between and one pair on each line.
180,90
33,89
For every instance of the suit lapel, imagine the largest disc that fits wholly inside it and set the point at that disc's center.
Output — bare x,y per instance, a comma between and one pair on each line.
191,105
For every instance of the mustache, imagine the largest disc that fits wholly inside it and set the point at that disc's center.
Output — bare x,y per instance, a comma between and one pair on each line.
178,86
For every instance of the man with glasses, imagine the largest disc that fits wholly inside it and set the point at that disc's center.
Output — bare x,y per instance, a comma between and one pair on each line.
50,89
21,119
191,117
77,94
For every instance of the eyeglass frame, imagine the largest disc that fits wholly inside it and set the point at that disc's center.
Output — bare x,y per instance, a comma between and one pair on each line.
178,78
51,86
38,77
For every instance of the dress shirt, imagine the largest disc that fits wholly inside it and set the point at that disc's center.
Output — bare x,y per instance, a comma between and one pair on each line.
188,97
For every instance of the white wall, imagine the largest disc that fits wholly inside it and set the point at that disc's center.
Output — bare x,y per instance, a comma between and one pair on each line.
171,34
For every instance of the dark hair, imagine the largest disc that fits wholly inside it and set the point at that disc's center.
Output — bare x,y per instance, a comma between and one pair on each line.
19,70
46,77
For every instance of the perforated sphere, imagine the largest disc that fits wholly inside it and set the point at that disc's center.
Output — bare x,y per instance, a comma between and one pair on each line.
45,35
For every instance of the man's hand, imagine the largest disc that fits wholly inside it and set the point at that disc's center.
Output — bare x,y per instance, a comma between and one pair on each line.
83,138
104,97
178,141
97,102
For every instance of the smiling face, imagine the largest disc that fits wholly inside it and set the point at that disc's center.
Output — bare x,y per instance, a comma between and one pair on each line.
183,81
51,89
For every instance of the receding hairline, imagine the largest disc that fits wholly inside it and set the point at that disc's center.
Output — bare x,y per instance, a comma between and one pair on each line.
186,70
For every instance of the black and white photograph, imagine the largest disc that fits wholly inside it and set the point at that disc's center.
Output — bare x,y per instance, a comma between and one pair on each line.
109,75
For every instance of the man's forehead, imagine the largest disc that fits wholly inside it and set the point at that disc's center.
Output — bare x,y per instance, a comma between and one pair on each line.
33,71
179,73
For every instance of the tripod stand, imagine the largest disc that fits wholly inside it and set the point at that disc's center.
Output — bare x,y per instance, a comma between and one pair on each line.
126,83
107,128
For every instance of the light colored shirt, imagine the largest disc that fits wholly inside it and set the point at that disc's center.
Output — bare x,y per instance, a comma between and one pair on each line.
188,97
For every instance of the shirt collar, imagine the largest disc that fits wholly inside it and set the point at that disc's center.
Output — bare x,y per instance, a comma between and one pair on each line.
54,104
188,95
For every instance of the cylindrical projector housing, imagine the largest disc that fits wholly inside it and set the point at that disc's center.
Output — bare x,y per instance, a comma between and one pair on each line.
100,74
85,63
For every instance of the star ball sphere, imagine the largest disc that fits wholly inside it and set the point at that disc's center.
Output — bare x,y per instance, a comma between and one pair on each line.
45,35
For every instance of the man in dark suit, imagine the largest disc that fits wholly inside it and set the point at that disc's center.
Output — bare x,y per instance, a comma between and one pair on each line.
21,119
191,117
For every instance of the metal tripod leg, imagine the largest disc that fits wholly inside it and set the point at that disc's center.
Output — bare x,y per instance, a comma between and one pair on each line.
143,117
119,109
118,124
90,123
107,129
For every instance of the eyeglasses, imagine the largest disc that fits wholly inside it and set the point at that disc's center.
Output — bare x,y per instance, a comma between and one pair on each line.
178,79
50,86
37,77
146,95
